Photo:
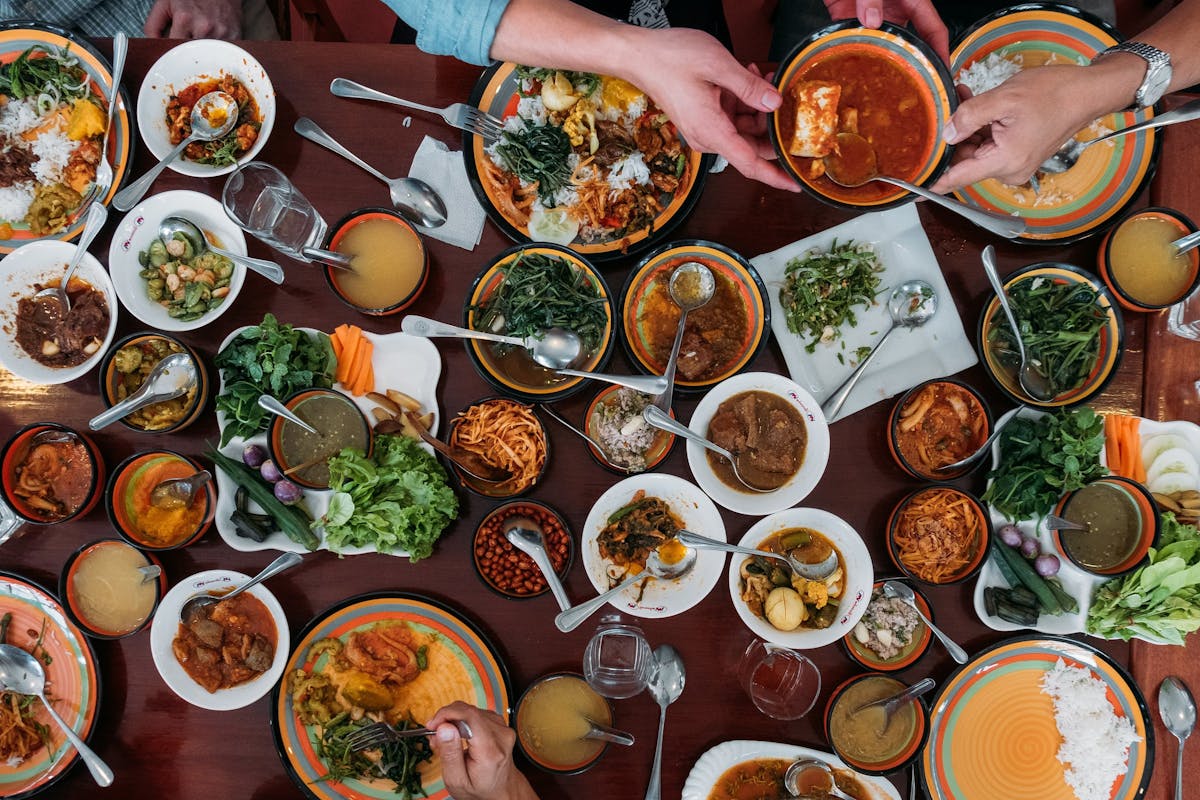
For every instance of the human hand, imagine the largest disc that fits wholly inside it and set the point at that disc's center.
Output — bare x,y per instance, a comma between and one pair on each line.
195,19
921,13
485,770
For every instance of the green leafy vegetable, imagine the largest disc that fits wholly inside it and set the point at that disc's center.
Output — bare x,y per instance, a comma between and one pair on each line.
398,499
1060,325
43,72
585,83
1159,601
538,154
399,761
273,359
1042,459
821,290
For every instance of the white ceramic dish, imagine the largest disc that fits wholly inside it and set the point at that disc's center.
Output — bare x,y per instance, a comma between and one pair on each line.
166,626
139,229
698,514
859,577
816,455
717,760
935,350
175,70
409,364
42,262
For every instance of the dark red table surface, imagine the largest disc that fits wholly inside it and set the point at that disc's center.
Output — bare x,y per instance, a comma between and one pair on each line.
160,746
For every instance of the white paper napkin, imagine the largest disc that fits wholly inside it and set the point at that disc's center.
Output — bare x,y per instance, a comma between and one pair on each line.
443,169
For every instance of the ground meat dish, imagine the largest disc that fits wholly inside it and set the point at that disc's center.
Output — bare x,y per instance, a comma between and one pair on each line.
63,340
888,626
233,643
766,431
227,149
16,165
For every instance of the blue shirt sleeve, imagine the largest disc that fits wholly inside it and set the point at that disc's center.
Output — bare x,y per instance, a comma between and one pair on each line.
460,28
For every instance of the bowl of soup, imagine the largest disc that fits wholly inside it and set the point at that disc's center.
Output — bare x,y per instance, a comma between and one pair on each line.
1121,524
936,424
51,473
145,525
552,718
862,737
303,456
105,591
389,262
1136,260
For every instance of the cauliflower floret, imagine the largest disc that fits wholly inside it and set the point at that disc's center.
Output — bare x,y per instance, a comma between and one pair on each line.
580,125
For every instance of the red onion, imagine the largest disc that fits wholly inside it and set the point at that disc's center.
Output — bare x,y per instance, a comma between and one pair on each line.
1046,565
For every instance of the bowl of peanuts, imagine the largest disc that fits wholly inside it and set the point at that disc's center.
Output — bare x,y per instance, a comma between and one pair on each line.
505,569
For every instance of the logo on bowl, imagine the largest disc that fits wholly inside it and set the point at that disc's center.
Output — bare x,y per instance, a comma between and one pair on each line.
210,582
846,617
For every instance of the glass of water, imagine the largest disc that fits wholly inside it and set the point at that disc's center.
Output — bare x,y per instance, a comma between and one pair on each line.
261,199
618,660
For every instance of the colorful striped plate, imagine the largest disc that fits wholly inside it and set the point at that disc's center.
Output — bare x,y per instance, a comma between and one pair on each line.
1109,176
992,730
490,688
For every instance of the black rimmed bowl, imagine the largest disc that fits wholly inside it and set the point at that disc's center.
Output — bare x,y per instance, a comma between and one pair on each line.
127,500
72,593
18,449
511,487
973,557
913,402
909,654
295,471
1149,525
340,281
147,348
1182,226
660,446
527,737
511,572
875,764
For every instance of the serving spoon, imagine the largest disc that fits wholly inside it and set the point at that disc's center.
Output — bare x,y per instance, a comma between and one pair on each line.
171,377
97,215
571,618
1070,152
896,589
894,701
691,286
984,449
791,778
179,492
1178,712
656,417
213,104
22,673
814,571
198,239
416,200
196,606
554,415
269,404
526,535
1032,382
854,164
471,463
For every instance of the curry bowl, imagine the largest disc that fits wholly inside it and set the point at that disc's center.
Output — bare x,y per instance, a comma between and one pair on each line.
905,134
51,473
167,627
1000,362
103,592
493,555
907,637
721,337
546,709
125,368
391,261
854,734
850,584
935,424
1136,261
927,515
796,464
1123,524
545,275
613,418
146,526
303,456
507,434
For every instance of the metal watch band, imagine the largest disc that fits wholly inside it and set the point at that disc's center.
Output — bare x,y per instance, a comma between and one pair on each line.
1158,71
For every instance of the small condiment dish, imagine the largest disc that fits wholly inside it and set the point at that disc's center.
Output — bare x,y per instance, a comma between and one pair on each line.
296,464
1124,240
1141,509
659,449
127,502
491,550
81,609
978,555
895,432
17,450
184,411
346,283
530,734
909,654
868,757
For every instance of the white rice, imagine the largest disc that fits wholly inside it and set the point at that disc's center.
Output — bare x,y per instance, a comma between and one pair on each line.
18,116
15,200
52,148
628,171
532,110
989,72
1095,740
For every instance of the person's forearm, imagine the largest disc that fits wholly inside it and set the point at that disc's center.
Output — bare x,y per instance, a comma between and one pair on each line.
563,35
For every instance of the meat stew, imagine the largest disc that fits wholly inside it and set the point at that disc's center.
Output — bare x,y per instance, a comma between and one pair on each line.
767,434
232,643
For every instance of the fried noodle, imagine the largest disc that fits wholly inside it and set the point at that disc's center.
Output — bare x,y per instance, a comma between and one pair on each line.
937,534
507,435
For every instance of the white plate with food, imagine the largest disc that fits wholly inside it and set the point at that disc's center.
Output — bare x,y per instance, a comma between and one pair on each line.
935,350
59,354
632,518
714,769
409,364
792,459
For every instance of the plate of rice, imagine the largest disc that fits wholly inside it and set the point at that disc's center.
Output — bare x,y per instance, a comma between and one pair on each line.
54,90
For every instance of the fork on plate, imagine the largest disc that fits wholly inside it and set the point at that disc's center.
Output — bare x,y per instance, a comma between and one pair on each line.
380,733
104,171
460,115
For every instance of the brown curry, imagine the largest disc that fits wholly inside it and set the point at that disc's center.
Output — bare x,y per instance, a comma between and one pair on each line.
232,643
766,432
762,779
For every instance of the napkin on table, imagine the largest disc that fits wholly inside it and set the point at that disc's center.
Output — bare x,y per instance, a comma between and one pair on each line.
443,169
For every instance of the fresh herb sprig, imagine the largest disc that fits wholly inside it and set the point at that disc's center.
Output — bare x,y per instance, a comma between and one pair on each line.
52,76
538,154
822,290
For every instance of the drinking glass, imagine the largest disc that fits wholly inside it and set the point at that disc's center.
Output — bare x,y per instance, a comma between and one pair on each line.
1184,317
261,199
782,683
618,660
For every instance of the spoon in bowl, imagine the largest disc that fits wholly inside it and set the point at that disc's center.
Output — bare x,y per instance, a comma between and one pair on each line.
1032,382
172,377
198,239
892,702
272,406
913,303
854,164
471,463
1178,712
900,590
984,449
213,116
791,779
554,415
97,215
179,492
814,571
659,419
416,200
691,286
1187,243
196,606
656,567
526,535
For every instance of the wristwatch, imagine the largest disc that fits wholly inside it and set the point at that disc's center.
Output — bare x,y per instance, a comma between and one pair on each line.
1158,71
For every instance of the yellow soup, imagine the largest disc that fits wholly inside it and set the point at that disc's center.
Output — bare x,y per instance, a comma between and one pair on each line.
387,262
862,736
109,592
1145,265
553,719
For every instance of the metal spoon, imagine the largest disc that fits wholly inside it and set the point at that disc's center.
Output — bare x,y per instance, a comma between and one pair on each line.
200,242
214,104
179,492
893,702
1070,152
791,778
197,605
897,589
150,572
1056,523
1032,382
604,733
526,536
416,200
97,215
268,403
815,571
329,258
666,684
656,417
692,285
554,415
1178,712
855,165
571,618
20,672
1186,243
913,303
984,449
172,377
471,463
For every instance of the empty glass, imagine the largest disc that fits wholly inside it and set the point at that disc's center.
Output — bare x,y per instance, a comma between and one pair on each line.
618,659
782,683
264,202
1184,317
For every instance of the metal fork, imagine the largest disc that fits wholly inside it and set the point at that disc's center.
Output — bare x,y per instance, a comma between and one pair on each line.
104,171
379,733
460,115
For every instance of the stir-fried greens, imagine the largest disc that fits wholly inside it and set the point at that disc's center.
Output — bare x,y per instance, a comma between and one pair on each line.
398,761
822,289
538,155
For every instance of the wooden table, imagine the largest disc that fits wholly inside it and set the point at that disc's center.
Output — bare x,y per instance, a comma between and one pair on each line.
160,746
